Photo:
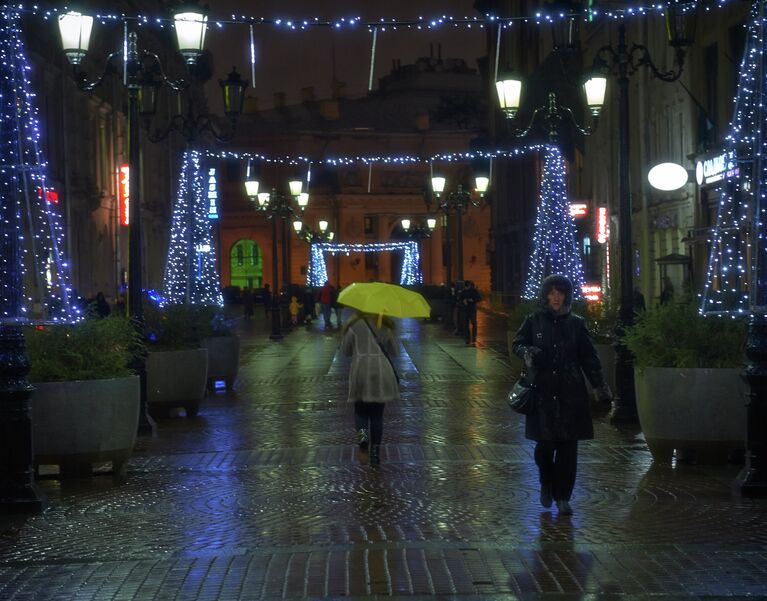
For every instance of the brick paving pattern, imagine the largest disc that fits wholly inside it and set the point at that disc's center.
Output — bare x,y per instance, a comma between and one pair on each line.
265,496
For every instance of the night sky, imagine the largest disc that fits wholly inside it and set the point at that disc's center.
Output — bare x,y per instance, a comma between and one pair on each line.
287,61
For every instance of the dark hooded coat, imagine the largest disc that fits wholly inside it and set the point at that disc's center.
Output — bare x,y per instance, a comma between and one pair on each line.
562,410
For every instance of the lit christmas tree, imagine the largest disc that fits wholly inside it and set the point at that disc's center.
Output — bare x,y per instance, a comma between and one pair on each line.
554,246
190,272
737,260
34,278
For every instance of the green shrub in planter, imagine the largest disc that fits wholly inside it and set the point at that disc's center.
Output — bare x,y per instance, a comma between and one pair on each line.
92,349
676,335
177,327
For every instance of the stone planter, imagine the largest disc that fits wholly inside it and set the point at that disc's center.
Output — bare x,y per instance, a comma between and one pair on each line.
176,379
699,413
79,423
223,359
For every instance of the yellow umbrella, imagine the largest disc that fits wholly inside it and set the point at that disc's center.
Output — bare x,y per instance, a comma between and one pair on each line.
384,299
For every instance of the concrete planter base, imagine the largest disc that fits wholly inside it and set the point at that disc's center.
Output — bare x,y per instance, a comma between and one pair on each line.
76,424
176,379
223,359
699,413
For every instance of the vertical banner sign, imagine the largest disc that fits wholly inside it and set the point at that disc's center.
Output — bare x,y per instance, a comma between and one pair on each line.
212,194
603,230
123,193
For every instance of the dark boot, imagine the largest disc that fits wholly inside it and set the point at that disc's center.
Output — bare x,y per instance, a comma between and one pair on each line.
362,439
375,455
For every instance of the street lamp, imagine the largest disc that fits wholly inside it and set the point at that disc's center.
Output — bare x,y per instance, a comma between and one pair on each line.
192,123
136,70
276,204
311,236
419,230
457,202
621,62
594,89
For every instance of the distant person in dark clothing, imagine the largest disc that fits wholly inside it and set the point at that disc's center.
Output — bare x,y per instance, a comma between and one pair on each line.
101,306
336,307
309,306
326,302
247,303
468,300
667,291
639,303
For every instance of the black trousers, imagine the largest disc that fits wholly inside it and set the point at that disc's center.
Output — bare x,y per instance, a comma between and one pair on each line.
557,463
470,325
369,416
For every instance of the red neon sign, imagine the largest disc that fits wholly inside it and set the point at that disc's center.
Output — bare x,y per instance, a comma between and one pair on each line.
50,195
592,292
578,209
603,227
123,193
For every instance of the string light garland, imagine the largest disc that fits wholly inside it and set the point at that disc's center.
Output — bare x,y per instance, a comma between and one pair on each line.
190,271
555,249
382,24
410,275
32,270
737,243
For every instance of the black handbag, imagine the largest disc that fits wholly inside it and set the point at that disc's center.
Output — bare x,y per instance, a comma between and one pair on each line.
522,395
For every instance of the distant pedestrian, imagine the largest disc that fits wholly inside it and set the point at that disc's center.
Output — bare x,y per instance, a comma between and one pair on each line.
336,307
247,303
666,291
101,306
294,308
469,299
309,306
326,302
556,344
373,381
639,302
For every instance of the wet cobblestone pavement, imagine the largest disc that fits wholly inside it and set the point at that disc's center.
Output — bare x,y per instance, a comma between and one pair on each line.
265,496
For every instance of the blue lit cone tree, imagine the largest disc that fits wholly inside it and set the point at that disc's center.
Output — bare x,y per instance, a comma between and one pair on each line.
555,249
736,282
190,272
34,283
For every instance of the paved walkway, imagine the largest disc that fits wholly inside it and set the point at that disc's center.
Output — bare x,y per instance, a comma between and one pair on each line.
265,496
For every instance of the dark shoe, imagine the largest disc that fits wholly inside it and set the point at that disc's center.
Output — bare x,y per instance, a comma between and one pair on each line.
375,455
546,499
564,508
362,439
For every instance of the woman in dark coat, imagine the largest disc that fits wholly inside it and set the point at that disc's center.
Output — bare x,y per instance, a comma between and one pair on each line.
557,346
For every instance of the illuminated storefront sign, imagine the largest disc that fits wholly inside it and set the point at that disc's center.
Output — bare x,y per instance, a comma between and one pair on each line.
578,209
715,169
212,194
50,195
603,227
592,292
123,193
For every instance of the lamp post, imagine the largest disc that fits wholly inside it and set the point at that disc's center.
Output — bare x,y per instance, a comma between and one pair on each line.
456,202
277,205
141,74
309,235
622,61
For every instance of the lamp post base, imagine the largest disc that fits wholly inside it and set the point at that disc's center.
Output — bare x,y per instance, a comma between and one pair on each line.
752,480
18,492
624,409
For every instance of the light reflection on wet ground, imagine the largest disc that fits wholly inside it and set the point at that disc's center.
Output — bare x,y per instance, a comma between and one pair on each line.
266,492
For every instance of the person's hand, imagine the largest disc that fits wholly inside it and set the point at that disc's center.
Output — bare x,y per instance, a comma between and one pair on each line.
604,395
533,356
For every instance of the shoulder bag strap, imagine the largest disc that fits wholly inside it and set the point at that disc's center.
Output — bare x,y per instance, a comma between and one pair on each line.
383,350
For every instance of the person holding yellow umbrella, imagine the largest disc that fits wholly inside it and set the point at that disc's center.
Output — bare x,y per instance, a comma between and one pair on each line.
370,339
